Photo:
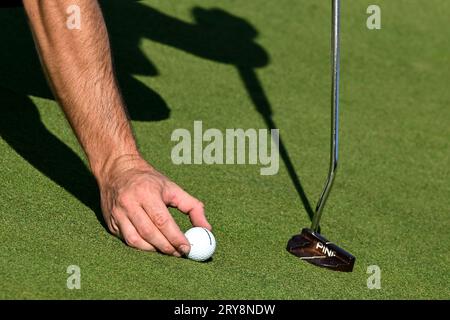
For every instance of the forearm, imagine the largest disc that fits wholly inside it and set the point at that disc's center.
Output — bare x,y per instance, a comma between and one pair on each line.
79,68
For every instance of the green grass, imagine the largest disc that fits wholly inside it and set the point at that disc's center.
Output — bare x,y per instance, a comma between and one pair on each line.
390,204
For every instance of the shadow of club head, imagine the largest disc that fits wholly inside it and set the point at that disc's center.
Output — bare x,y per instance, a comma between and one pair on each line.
311,247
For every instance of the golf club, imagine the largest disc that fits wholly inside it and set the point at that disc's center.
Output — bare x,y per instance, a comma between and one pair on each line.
309,245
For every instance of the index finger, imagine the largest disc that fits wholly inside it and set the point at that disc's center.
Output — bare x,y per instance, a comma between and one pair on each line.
189,205
163,220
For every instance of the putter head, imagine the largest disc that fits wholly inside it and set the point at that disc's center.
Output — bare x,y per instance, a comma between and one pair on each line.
315,249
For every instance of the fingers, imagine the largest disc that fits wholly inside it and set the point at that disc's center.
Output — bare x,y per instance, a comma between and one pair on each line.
165,226
147,229
189,205
130,235
135,206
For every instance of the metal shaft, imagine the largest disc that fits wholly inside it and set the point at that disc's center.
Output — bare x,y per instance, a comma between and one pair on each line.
335,66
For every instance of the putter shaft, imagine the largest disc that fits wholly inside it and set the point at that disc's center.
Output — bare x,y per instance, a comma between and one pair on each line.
335,67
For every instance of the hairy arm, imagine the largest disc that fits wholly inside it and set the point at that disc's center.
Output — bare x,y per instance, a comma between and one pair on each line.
79,69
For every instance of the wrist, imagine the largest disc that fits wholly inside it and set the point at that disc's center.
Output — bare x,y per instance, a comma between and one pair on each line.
115,164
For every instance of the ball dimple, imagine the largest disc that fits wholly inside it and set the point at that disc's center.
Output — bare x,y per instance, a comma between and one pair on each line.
203,243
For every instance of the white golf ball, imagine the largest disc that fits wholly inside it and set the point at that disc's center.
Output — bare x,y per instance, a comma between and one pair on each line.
203,243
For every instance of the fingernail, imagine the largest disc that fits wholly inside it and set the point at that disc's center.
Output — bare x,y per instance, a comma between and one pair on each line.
177,254
184,249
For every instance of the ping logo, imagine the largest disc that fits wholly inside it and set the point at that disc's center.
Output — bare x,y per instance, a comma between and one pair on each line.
325,250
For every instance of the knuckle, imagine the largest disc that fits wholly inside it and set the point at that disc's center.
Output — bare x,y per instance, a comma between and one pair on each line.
160,219
168,249
153,192
146,189
146,232
170,189
132,240
170,195
169,185
124,199
141,192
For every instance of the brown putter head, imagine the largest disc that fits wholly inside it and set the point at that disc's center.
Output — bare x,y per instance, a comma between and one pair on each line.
315,249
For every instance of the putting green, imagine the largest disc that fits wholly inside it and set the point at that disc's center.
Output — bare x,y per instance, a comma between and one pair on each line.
184,61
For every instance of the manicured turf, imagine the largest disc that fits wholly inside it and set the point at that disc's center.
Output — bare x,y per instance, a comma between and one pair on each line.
390,204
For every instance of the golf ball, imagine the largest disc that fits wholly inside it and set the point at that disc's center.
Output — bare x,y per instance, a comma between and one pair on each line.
203,243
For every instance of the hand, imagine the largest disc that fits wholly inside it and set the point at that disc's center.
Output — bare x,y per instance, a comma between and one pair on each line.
134,199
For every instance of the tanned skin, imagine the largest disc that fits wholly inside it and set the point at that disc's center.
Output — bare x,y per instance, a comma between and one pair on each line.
78,65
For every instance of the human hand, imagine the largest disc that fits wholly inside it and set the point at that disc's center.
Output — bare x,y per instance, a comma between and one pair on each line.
134,200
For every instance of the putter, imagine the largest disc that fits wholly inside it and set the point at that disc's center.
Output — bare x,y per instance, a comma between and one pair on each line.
309,245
